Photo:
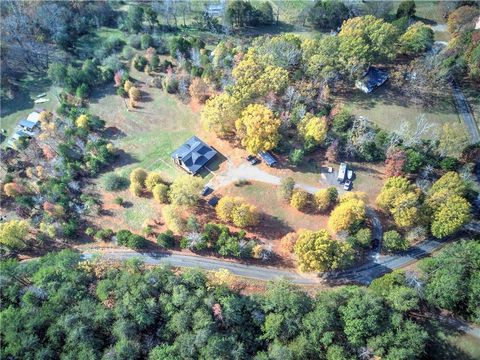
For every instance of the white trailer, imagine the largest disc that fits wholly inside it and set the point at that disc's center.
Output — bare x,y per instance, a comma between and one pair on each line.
342,171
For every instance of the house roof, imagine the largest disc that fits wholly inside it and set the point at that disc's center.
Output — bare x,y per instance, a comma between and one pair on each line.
194,154
34,117
373,77
268,158
27,124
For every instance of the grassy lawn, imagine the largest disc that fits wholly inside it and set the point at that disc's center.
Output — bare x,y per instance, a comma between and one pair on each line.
12,111
448,344
388,109
151,132
280,218
87,44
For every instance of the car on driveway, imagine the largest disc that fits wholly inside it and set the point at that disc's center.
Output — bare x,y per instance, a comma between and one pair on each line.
206,191
253,160
348,185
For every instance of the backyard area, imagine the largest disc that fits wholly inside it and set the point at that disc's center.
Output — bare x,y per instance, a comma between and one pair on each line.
388,109
18,108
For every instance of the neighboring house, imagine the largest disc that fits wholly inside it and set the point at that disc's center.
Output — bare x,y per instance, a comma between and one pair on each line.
26,128
268,158
372,79
193,155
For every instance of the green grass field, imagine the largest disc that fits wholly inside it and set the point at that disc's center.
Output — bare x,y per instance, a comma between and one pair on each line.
12,111
151,132
388,109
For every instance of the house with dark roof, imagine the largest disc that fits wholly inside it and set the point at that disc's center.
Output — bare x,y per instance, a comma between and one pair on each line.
373,78
193,155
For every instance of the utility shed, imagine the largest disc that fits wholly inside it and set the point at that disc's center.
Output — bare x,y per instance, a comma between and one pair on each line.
268,158
193,155
373,78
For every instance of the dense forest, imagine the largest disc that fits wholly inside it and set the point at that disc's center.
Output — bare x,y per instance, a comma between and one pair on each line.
63,307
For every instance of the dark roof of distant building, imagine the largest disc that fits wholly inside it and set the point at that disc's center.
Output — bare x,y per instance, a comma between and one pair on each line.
194,154
373,78
268,158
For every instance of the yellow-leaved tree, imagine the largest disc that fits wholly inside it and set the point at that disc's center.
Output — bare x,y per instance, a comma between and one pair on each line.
185,190
299,199
257,128
82,121
401,199
317,251
236,211
153,178
13,233
313,130
219,114
348,213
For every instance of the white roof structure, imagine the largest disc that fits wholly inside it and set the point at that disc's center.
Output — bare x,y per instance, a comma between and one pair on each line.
34,117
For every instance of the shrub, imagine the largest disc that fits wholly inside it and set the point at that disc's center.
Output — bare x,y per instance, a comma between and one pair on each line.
128,239
138,176
449,164
146,41
136,241
134,93
153,178
362,238
393,241
166,239
199,90
136,189
134,41
296,157
300,199
123,236
325,198
89,231
139,62
70,228
160,193
286,187
104,234
114,182
173,217
118,200
236,211
127,53
287,243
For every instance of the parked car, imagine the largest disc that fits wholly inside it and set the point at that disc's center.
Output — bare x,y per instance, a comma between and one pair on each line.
350,174
348,185
206,190
375,244
213,201
252,159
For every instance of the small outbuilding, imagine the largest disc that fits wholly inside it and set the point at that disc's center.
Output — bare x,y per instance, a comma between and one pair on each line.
373,78
193,155
268,158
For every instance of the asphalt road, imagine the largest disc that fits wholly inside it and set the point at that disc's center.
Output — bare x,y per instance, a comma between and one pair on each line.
179,260
377,266
465,112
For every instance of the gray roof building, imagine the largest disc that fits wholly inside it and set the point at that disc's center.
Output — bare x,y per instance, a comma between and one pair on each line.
193,155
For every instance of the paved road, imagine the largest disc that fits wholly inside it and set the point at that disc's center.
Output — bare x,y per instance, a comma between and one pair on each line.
180,260
364,274
465,112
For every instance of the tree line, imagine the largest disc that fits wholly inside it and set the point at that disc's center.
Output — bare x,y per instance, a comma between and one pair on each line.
63,306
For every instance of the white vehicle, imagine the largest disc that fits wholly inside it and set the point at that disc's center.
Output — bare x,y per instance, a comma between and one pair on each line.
350,174
348,185
342,170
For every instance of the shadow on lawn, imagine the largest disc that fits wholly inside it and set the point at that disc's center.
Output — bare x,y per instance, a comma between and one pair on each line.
390,95
271,227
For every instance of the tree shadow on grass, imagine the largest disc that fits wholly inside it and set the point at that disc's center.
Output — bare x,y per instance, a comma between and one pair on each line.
438,346
271,227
